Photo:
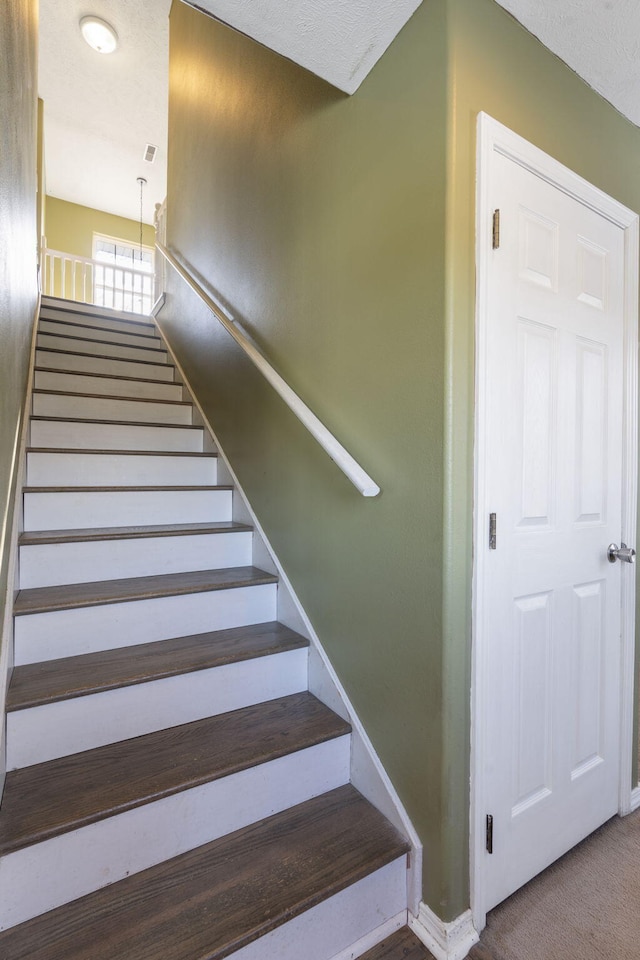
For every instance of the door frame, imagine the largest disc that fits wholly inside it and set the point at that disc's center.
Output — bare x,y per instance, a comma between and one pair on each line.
495,139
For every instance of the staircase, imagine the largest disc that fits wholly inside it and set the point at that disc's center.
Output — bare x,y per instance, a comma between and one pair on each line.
175,792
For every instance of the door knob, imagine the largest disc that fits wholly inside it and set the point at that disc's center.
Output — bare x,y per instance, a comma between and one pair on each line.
623,553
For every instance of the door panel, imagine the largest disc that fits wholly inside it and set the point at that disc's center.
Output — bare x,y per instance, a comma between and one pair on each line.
552,444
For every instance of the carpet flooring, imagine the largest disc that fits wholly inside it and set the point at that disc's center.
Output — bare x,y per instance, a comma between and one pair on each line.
586,906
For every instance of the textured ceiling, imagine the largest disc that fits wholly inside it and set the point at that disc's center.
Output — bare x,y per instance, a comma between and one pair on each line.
339,40
101,110
599,39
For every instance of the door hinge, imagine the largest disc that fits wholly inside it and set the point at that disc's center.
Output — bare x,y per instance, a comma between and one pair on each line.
492,531
489,833
496,229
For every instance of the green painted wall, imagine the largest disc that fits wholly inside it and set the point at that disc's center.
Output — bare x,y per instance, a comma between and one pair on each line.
70,227
320,218
341,232
18,246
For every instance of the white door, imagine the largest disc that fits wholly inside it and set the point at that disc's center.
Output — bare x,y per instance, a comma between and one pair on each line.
551,448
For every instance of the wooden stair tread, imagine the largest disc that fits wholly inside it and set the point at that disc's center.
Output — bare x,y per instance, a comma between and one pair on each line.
153,335
213,900
108,396
102,356
110,343
120,489
105,451
131,533
48,799
74,595
88,310
53,680
119,423
402,945
106,376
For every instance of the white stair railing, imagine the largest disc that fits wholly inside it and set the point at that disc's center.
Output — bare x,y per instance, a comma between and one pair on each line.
92,281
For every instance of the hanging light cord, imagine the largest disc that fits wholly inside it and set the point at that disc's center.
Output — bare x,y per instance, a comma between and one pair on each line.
142,182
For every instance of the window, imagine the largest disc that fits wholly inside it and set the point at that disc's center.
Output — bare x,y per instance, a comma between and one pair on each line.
122,275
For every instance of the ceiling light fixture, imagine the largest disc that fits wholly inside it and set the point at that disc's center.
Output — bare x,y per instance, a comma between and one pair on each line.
99,34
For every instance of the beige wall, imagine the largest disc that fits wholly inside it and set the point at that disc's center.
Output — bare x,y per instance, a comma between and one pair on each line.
70,227
41,176
341,231
18,246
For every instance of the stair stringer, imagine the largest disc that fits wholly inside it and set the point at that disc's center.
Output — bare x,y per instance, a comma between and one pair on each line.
367,772
9,534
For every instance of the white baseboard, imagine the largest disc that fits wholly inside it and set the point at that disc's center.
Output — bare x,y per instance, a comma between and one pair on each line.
635,799
372,939
446,941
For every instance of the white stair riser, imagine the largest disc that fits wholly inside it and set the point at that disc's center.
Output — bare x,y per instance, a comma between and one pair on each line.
63,868
70,329
77,383
130,470
110,408
47,340
95,314
45,565
66,633
114,436
126,508
52,730
343,926
89,364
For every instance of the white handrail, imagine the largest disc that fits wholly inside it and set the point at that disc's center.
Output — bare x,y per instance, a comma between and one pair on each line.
341,457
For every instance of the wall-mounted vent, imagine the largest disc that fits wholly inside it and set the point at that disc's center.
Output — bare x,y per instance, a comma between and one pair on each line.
150,153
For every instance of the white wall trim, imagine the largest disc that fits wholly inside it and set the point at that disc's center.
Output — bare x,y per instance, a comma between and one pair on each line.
629,513
446,941
635,799
367,772
494,138
9,541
